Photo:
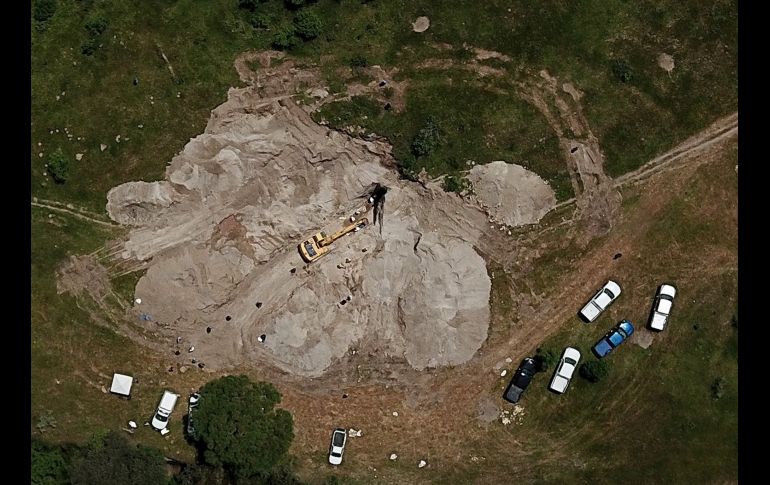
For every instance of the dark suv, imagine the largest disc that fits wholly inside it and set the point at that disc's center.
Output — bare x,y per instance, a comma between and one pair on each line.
520,380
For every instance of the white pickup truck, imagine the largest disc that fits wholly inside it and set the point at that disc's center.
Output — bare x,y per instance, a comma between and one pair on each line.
167,403
600,301
564,371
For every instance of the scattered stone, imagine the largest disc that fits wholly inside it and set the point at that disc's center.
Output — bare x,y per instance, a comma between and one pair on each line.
104,390
132,424
192,347
344,396
421,464
508,360
354,433
201,365
228,318
259,304
262,337
78,156
666,62
393,456
57,97
293,270
502,374
103,147
140,126
208,329
40,154
176,352
395,413
117,139
183,369
421,24
364,250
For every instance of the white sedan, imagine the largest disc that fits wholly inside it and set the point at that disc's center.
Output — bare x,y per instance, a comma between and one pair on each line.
600,301
661,308
565,370
337,446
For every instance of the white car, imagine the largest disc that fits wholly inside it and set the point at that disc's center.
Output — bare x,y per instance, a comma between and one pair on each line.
661,308
337,446
567,365
600,301
166,405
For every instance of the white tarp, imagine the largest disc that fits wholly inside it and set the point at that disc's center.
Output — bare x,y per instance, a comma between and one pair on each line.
121,384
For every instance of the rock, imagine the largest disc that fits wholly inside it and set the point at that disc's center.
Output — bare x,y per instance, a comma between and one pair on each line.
421,24
103,147
666,62
104,390
502,374
183,369
117,139
508,360
132,424
395,413
421,464
393,456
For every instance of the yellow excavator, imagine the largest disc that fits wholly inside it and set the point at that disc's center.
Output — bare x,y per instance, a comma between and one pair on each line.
318,245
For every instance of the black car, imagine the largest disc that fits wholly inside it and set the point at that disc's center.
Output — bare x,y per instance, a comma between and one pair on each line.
520,380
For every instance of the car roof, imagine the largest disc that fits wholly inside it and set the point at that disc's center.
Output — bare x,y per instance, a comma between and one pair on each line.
666,289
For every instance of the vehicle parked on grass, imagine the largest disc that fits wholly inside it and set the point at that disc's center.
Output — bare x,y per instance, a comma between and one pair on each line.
613,338
192,403
166,405
661,307
520,380
600,301
564,371
337,447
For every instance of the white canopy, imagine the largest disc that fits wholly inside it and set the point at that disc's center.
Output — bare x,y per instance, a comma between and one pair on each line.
121,384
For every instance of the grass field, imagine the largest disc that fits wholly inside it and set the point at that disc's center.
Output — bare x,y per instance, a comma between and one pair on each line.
126,88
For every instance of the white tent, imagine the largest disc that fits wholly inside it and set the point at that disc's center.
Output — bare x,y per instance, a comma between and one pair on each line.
121,384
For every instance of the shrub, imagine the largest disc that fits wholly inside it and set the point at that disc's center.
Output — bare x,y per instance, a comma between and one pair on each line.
594,370
284,37
259,20
250,5
95,26
455,184
307,24
544,359
43,10
427,139
622,70
58,166
113,459
294,4
358,61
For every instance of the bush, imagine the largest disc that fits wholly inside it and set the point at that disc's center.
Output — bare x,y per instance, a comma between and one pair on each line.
427,139
58,166
358,61
259,20
96,26
250,5
49,466
455,184
622,70
307,24
594,370
544,359
113,459
284,38
294,4
43,10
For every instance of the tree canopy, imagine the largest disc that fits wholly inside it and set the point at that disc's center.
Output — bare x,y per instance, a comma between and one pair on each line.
113,460
239,428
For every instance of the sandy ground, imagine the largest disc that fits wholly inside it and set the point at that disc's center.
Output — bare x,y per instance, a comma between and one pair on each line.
220,236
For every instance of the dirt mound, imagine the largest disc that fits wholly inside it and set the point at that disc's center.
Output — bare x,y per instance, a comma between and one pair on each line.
510,193
221,235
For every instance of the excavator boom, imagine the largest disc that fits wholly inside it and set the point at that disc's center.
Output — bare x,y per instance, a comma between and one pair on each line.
318,245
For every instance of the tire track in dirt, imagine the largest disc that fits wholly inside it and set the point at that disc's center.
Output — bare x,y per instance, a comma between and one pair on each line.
74,212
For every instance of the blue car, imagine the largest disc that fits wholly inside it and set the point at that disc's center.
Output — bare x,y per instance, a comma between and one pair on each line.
614,337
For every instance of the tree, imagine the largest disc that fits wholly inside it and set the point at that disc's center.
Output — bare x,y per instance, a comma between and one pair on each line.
113,460
358,61
238,428
58,166
594,370
48,465
308,24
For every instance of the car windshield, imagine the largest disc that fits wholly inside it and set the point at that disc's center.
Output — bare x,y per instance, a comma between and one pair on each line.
335,454
612,295
161,418
568,360
309,249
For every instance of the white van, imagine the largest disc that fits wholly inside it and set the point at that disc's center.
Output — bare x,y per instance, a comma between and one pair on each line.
167,403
